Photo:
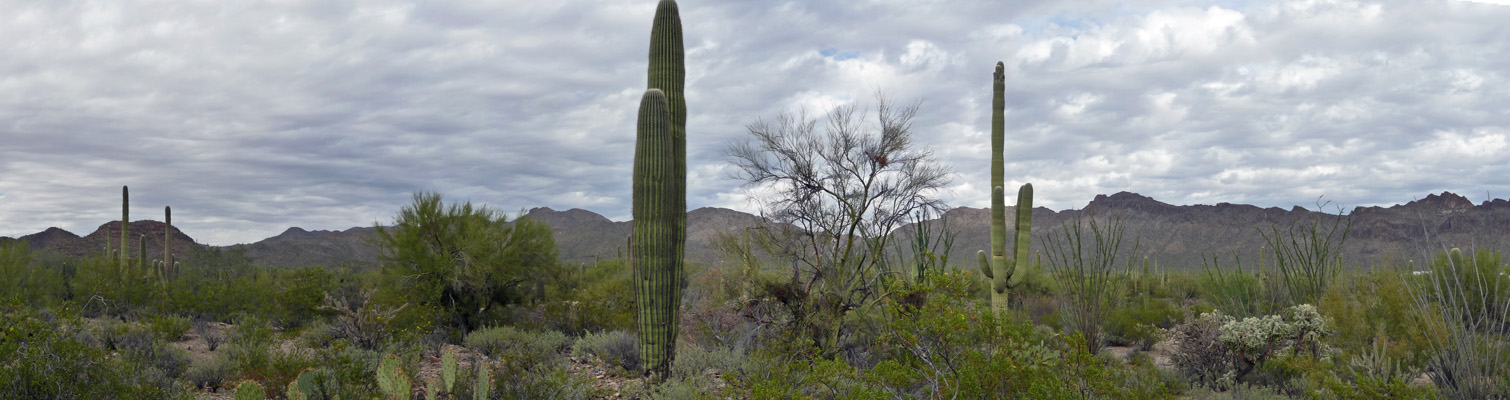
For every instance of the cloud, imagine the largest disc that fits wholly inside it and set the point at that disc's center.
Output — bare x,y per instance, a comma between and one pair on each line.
250,117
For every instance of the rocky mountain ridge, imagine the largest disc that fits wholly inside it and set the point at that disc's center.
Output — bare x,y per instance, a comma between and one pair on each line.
1173,236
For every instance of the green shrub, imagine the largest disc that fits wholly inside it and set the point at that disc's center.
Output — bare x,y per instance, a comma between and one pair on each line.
1140,323
617,348
528,350
169,327
211,374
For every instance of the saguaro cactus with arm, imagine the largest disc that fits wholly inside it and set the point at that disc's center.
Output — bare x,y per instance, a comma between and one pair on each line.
998,268
660,193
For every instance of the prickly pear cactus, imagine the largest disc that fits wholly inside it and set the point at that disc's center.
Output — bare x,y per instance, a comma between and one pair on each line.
250,390
448,369
392,380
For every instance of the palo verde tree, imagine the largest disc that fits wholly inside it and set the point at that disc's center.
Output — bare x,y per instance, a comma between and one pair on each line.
833,193
464,259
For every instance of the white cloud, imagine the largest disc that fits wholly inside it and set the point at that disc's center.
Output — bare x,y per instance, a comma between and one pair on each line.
252,117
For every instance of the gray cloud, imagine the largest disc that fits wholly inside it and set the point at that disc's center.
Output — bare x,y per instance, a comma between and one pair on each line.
250,117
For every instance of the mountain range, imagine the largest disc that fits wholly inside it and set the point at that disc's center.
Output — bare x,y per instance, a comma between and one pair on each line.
1180,237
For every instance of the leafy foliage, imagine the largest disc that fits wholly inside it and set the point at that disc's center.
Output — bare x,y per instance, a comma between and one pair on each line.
463,259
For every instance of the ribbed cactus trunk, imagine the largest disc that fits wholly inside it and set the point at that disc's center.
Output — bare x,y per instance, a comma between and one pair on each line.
668,72
660,194
125,224
168,243
654,246
998,268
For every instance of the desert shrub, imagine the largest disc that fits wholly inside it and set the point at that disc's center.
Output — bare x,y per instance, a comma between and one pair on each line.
1237,293
514,347
514,382
213,338
936,343
169,327
1085,261
1463,304
211,374
1374,309
1307,256
617,348
52,360
351,369
1219,351
1141,322
318,334
695,360
465,260
364,323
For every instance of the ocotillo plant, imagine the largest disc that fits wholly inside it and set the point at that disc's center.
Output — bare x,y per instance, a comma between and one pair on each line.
125,223
168,243
998,268
654,250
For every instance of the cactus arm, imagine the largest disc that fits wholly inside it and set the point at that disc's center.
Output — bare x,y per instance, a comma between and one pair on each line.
1020,249
985,263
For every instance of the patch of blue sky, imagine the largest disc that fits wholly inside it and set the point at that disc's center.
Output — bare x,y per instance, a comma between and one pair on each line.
838,55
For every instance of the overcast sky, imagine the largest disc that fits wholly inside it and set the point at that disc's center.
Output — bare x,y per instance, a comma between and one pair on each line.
249,117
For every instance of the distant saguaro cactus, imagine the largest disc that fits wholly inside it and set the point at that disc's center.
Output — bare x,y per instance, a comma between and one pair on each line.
168,243
998,268
125,224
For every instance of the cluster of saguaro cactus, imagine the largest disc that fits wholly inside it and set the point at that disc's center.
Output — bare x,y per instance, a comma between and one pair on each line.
660,193
998,268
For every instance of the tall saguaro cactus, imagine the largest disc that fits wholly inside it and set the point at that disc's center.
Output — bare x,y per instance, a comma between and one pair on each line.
668,72
660,193
168,243
998,268
654,249
125,224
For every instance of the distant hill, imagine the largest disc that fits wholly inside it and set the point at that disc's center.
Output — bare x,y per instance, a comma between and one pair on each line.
1174,236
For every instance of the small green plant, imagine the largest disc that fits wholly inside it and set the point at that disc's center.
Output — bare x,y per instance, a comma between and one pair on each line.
484,382
250,390
391,378
448,369
617,348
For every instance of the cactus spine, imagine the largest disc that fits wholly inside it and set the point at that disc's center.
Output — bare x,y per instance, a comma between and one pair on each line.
660,194
998,268
125,223
168,243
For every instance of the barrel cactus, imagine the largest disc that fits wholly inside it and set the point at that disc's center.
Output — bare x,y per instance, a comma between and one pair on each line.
998,268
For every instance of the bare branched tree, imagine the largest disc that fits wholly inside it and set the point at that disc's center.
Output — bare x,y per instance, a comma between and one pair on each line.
833,194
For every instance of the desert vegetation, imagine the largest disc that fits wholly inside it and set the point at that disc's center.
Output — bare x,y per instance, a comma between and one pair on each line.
818,302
